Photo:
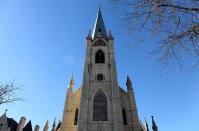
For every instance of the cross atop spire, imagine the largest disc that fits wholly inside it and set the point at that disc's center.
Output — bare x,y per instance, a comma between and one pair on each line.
99,29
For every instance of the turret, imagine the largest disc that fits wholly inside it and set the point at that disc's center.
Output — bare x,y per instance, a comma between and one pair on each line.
67,105
54,125
134,113
4,121
154,126
69,93
146,125
21,124
46,126
129,84
89,38
36,128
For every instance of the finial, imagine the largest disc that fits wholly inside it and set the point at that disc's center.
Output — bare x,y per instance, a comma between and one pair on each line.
71,84
89,37
72,76
129,83
54,121
110,35
99,6
54,125
6,110
146,125
128,80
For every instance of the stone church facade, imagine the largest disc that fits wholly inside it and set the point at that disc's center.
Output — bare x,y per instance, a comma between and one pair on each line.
100,104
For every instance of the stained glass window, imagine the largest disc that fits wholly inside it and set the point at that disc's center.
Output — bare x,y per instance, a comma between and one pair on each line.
100,107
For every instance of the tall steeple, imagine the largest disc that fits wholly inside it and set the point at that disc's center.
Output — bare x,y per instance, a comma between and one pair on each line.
99,29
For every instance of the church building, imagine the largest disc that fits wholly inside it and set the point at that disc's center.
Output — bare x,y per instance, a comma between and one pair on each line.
100,104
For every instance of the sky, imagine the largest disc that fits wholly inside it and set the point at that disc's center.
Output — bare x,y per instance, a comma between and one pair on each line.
42,42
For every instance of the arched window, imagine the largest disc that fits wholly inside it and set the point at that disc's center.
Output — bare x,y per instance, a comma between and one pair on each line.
100,77
100,107
124,116
76,116
99,57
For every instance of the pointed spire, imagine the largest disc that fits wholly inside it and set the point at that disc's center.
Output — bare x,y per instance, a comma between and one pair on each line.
4,122
6,110
146,125
99,28
54,125
46,126
58,125
110,36
71,84
128,83
28,127
128,80
4,115
154,126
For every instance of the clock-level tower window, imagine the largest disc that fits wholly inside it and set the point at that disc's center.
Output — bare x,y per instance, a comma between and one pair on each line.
99,57
100,77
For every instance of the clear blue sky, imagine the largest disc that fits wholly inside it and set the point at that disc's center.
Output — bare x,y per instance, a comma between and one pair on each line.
42,42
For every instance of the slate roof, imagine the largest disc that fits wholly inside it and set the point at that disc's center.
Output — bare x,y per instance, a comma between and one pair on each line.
28,127
99,28
12,124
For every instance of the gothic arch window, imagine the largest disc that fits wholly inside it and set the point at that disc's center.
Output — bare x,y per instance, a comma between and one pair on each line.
100,77
124,116
99,57
76,116
100,107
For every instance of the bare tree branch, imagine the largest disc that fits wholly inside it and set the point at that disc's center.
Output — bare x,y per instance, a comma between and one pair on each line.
8,92
175,21
180,7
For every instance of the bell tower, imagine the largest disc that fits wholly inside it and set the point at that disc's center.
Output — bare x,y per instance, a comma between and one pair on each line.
100,106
